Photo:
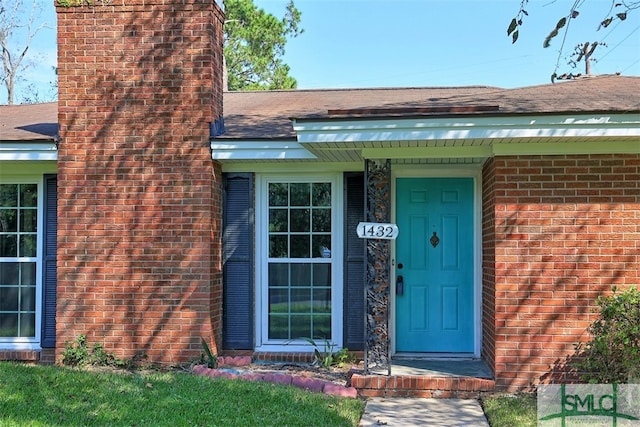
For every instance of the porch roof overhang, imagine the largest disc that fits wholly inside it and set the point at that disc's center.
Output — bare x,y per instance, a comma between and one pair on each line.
477,136
29,132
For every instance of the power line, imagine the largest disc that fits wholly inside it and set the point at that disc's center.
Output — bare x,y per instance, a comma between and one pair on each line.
630,66
620,42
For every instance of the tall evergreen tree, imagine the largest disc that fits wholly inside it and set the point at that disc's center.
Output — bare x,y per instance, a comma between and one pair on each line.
254,45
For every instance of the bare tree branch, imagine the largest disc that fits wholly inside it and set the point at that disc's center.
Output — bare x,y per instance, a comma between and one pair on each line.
17,30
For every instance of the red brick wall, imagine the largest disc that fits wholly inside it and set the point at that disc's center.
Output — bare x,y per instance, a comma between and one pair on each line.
566,228
139,199
488,263
216,296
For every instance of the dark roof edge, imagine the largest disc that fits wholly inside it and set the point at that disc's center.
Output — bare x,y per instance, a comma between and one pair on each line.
29,140
448,115
253,138
359,89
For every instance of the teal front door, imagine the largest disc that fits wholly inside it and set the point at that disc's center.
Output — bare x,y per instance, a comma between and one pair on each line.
434,265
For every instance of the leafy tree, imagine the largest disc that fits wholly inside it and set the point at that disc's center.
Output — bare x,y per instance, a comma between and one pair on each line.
254,45
17,30
618,11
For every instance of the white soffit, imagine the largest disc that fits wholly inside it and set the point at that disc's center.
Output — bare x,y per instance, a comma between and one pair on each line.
28,150
332,140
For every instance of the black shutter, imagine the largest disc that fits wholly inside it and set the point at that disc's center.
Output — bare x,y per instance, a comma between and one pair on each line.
238,259
354,263
49,279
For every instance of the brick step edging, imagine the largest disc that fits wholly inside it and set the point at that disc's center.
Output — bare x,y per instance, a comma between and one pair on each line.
310,384
421,386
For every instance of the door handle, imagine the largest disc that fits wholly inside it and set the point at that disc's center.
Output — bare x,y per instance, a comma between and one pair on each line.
400,285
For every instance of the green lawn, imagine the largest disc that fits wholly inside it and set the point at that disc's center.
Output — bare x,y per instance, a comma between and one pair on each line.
58,396
510,410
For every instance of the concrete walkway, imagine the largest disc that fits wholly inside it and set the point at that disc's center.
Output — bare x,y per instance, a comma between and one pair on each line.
401,411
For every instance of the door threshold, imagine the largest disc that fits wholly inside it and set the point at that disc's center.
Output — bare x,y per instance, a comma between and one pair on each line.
434,356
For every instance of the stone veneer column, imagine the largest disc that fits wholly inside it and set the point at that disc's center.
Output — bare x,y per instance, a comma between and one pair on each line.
139,204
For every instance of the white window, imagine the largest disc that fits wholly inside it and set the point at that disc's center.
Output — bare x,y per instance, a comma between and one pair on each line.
18,262
299,279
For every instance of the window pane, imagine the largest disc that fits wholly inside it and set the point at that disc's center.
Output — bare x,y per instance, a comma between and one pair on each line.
301,326
321,275
8,246
28,273
301,275
279,300
321,194
28,245
278,194
322,327
28,298
300,300
300,220
278,247
9,195
28,220
300,246
300,194
278,274
9,325
28,195
278,220
321,300
8,299
27,325
321,220
320,244
8,220
9,274
279,327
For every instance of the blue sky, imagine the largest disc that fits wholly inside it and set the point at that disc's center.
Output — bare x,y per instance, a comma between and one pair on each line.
375,43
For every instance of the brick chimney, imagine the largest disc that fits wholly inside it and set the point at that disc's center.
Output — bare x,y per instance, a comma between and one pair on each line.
139,270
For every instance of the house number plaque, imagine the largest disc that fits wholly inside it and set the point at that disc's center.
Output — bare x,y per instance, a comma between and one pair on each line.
377,230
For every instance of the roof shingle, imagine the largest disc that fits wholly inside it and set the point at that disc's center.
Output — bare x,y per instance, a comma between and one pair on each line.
259,115
29,122
267,114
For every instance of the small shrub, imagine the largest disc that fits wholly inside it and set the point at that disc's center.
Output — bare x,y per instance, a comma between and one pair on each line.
211,359
613,354
78,353
323,355
343,357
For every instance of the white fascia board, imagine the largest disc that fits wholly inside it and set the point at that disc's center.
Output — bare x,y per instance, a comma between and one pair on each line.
12,150
460,128
550,148
259,150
